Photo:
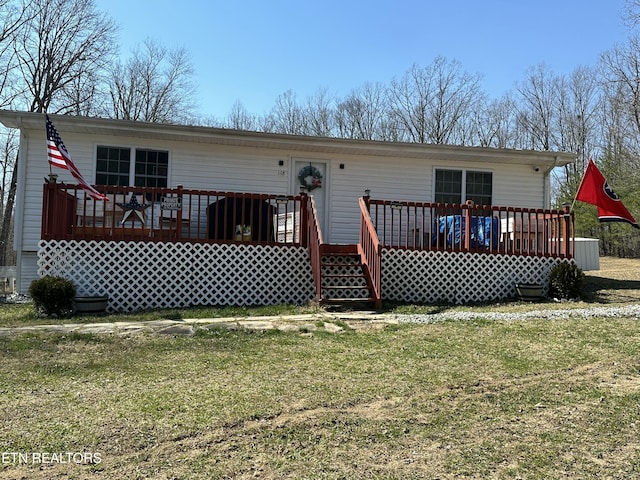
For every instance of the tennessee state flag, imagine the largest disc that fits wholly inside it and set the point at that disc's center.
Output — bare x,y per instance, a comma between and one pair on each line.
595,190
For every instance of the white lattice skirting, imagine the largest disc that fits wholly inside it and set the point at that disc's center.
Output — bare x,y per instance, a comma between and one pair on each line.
141,275
455,277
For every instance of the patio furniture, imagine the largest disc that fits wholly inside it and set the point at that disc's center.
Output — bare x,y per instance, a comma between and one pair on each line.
524,233
450,231
226,214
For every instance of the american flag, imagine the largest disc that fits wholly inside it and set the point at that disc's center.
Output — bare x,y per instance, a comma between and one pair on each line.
59,157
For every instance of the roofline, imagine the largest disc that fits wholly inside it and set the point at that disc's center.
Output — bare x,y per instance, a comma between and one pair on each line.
221,136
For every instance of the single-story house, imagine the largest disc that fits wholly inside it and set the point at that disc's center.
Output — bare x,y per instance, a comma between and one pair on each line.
244,203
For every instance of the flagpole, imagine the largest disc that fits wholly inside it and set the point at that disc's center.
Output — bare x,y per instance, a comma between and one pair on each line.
53,177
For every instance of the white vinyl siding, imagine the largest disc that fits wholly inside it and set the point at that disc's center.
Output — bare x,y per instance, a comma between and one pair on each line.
205,166
398,180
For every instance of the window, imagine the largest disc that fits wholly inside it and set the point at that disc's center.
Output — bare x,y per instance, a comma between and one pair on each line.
151,168
458,186
448,186
479,187
115,165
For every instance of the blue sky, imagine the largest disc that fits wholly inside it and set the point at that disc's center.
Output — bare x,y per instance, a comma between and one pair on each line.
255,50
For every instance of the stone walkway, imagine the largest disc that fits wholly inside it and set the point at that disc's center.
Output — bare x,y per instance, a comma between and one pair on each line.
306,324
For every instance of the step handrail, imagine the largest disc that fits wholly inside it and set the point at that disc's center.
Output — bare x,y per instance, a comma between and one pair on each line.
313,240
370,252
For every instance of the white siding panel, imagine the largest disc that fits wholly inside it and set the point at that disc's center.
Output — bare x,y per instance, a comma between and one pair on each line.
229,171
37,170
387,181
518,186
28,269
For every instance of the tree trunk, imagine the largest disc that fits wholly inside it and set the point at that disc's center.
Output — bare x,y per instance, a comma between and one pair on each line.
5,230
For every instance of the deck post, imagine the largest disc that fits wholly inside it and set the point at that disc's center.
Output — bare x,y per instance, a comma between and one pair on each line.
179,215
304,221
47,210
467,225
567,232
367,197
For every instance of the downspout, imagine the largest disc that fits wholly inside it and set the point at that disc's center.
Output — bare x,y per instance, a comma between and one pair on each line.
546,187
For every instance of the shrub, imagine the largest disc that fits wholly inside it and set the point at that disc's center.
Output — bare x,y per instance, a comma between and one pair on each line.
567,281
53,295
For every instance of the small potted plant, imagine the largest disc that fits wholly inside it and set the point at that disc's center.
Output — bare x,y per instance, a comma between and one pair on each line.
90,304
529,292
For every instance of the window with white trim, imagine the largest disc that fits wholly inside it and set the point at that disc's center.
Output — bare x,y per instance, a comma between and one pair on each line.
138,167
458,186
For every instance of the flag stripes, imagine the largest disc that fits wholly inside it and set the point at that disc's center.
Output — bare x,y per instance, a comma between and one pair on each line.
59,157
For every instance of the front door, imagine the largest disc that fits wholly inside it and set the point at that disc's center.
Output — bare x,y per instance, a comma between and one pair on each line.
313,174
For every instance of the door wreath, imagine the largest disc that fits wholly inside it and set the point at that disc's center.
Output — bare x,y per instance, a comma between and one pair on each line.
316,178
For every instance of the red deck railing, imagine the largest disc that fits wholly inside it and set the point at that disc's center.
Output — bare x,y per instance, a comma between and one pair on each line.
369,249
172,214
185,215
473,228
313,238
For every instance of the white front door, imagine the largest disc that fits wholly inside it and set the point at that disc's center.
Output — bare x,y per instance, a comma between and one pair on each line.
318,187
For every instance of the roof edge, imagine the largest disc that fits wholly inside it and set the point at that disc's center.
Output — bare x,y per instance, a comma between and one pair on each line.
216,135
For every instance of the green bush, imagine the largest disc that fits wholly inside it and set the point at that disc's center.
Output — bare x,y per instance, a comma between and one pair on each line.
53,295
567,281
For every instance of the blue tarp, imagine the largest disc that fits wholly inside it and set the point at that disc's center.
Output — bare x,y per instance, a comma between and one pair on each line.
484,231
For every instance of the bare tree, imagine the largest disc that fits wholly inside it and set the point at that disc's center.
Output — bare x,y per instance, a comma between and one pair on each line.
65,40
7,157
59,41
154,85
319,114
631,13
616,132
622,74
240,119
429,103
493,123
85,96
409,99
578,106
361,115
286,116
536,108
13,17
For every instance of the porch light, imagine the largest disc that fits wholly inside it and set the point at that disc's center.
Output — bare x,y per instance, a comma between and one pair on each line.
367,192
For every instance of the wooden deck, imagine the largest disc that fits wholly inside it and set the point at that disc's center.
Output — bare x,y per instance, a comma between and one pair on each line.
195,216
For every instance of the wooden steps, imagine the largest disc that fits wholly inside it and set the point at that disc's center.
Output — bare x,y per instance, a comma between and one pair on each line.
344,280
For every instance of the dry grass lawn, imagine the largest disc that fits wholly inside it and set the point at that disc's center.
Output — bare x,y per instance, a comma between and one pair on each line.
479,399
617,281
